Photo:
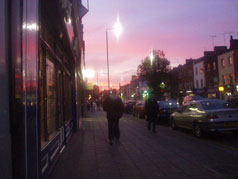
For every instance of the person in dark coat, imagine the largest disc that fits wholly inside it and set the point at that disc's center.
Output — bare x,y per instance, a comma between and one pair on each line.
114,107
151,110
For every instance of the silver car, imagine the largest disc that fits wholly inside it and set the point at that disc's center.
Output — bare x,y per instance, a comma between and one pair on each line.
207,115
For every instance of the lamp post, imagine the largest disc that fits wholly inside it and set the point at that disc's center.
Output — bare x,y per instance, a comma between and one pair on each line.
117,29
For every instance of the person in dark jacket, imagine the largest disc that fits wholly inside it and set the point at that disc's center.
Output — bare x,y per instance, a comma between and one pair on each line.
114,107
151,110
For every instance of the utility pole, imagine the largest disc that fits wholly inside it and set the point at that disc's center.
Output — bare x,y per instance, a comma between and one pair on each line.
97,78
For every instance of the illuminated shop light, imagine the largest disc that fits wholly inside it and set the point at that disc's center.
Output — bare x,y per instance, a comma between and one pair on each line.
30,26
221,88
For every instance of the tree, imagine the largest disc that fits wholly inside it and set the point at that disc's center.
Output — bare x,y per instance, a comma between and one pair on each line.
155,72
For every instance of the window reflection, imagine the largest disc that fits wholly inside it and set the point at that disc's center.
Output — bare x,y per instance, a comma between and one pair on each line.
67,97
51,97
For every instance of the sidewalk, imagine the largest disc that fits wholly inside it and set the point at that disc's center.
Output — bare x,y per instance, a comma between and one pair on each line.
140,154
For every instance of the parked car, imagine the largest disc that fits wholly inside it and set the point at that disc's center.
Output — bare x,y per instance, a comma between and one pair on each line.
166,108
129,106
233,100
191,98
139,109
208,115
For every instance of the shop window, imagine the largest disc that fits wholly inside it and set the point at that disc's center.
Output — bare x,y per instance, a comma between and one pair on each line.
67,98
197,84
48,93
223,62
201,83
231,77
230,61
50,97
42,101
208,67
201,70
224,79
214,66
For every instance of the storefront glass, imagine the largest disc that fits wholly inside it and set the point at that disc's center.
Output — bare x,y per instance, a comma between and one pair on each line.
51,97
67,98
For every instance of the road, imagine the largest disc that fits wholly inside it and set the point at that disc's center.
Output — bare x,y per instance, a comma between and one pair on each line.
143,154
223,139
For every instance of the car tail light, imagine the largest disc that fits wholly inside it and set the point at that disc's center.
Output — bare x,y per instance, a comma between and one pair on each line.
212,116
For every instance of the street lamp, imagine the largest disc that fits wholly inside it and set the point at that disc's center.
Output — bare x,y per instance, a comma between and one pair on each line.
117,28
151,57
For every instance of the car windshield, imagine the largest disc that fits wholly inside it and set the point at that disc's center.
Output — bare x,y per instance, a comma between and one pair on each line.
215,104
168,104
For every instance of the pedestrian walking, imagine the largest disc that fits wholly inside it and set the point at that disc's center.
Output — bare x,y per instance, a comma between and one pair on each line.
94,106
114,107
151,110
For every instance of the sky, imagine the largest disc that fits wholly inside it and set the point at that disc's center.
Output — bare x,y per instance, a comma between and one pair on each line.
181,28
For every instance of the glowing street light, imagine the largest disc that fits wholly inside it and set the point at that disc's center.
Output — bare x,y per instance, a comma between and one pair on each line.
88,73
117,28
151,57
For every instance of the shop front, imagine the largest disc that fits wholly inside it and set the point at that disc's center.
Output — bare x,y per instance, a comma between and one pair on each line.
45,50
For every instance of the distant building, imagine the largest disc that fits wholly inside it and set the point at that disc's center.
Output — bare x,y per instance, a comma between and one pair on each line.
228,68
125,91
185,77
211,70
199,76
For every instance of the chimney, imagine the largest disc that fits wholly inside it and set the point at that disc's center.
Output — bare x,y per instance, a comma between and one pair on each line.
220,49
233,43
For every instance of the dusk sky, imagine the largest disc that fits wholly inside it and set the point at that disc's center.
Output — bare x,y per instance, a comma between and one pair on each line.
181,28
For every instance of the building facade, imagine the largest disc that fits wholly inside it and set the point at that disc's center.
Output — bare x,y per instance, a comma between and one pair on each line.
211,70
199,76
185,77
228,69
43,52
227,72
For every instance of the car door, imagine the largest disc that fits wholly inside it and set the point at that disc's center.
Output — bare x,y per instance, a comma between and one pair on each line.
179,117
191,115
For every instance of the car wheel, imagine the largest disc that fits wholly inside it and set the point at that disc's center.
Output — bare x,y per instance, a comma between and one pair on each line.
173,124
197,130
